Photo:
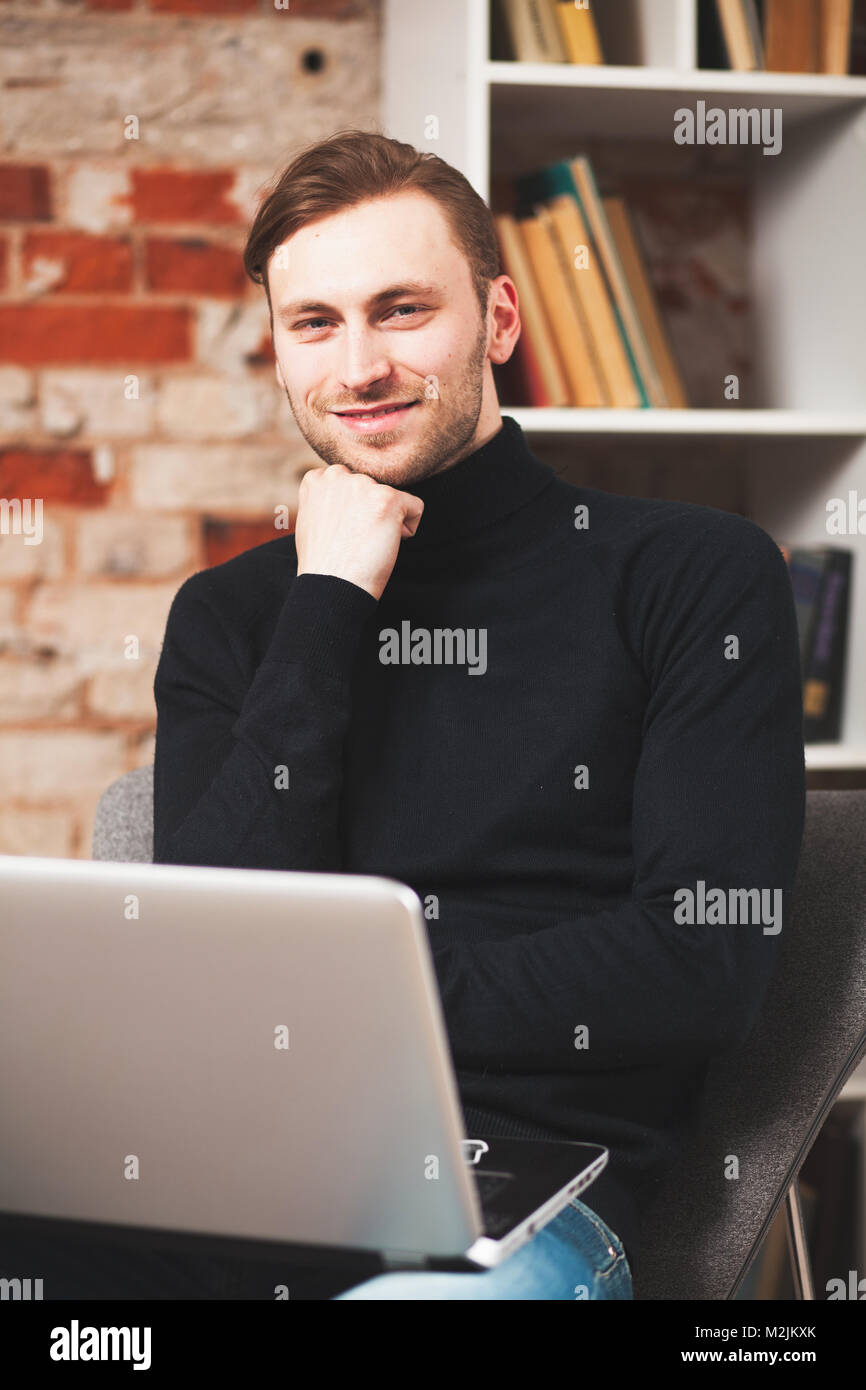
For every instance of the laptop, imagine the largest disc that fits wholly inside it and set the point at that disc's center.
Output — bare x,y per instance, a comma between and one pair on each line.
256,1056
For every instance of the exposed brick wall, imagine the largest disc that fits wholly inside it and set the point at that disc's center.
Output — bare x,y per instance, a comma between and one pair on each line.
137,395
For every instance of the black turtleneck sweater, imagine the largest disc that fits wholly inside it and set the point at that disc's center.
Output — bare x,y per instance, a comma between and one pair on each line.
632,726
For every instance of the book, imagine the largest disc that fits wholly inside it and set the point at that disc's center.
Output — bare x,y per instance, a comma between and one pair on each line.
825,668
578,31
605,339
640,355
741,32
791,35
535,356
645,302
555,185
561,308
806,569
533,31
835,19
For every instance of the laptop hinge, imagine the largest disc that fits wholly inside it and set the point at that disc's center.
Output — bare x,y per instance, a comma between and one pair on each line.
403,1259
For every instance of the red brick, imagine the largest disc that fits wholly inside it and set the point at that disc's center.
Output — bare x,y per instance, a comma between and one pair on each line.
32,334
90,262
25,193
183,195
194,267
4,262
204,6
56,475
225,539
110,4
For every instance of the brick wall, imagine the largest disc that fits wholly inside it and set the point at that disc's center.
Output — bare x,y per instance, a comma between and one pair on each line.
138,403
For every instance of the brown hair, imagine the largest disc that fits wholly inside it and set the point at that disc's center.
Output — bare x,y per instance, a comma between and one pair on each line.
353,166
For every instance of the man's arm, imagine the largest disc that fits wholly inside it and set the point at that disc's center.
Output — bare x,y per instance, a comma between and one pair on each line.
220,797
719,795
253,776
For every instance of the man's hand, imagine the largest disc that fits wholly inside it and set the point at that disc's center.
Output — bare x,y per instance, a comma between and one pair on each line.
351,526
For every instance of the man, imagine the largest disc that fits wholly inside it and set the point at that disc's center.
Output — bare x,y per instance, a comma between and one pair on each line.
636,738
610,738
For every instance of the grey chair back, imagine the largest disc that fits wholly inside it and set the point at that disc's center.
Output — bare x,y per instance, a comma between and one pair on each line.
765,1101
123,823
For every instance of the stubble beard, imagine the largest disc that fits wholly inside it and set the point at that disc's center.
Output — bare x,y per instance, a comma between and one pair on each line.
446,428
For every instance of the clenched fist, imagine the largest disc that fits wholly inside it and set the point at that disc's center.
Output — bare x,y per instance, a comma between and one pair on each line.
351,526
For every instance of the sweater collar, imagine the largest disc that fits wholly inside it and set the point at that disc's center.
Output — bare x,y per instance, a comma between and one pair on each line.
485,486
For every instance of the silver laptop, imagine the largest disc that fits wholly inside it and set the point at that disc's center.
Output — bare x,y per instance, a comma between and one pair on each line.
251,1054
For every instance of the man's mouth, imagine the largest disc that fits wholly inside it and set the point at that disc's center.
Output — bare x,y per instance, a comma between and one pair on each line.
373,412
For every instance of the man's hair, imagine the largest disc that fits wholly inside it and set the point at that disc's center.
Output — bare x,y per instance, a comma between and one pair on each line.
353,166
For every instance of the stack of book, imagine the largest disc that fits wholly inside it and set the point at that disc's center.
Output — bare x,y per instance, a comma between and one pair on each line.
592,331
775,35
821,581
546,31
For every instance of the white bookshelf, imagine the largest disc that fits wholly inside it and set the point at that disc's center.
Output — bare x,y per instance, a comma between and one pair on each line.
776,424
806,443
617,101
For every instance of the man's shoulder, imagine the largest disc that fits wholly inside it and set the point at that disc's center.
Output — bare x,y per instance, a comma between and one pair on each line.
658,527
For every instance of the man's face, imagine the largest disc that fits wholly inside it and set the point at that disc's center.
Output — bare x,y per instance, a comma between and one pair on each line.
374,305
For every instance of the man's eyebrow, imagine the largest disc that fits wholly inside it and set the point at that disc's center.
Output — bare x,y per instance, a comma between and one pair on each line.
315,306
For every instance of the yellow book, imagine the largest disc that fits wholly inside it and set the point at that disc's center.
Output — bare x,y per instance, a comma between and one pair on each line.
516,263
834,36
584,182
605,339
641,290
578,31
542,245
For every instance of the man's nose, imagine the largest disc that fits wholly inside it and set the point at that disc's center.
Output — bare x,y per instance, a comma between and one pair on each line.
363,360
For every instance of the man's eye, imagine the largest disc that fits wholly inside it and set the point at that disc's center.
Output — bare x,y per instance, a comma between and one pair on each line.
311,323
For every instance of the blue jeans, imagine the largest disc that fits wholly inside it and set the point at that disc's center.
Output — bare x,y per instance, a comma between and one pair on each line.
575,1256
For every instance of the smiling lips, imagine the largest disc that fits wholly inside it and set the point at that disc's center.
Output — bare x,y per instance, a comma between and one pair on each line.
373,412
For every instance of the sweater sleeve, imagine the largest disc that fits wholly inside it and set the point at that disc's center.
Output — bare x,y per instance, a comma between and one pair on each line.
249,773
719,796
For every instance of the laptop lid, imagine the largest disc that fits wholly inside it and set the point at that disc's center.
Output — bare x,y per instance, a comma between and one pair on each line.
245,1052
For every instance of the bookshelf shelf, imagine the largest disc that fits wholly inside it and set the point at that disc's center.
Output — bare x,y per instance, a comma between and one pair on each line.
813,86
827,756
593,95
733,423
798,437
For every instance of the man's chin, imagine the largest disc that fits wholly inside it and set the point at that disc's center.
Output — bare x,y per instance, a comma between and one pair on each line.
391,452
395,470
